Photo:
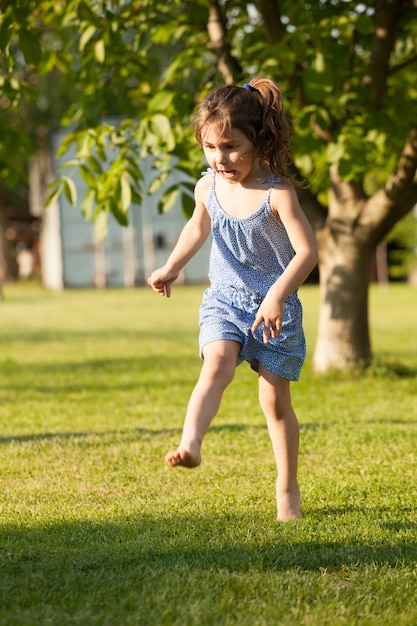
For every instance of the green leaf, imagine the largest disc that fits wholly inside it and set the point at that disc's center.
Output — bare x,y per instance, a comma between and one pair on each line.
317,83
86,35
30,47
335,152
87,176
364,24
319,63
161,101
87,204
5,33
85,13
84,142
53,196
133,170
187,203
101,223
305,164
94,164
299,45
161,126
70,190
99,51
125,192
168,199
66,143
67,164
157,182
121,216
346,170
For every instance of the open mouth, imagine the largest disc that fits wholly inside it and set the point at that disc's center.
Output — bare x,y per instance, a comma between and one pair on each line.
227,173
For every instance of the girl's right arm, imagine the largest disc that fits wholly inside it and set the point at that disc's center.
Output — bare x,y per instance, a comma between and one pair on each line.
192,237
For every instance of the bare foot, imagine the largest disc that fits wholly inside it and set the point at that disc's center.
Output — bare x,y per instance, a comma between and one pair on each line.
183,458
289,507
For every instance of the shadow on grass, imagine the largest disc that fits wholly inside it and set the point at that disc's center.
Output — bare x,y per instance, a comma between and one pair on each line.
392,369
173,539
96,375
135,562
135,433
131,434
162,543
209,541
70,336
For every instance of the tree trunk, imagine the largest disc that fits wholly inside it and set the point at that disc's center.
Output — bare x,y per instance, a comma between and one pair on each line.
343,333
347,239
6,263
3,262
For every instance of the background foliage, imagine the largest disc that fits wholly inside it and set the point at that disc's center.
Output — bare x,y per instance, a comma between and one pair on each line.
149,63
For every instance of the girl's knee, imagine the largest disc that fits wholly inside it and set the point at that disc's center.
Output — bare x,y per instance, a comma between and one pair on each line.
220,361
274,395
274,406
218,370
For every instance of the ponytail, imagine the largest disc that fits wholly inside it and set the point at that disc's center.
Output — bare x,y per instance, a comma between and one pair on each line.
274,140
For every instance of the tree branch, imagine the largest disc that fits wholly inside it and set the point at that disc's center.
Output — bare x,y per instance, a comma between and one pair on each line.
271,17
388,205
401,66
228,65
386,17
407,6
398,185
346,197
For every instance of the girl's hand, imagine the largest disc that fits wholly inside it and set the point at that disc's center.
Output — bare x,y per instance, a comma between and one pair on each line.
271,313
161,280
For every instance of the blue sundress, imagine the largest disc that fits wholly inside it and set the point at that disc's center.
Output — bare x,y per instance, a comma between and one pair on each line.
247,256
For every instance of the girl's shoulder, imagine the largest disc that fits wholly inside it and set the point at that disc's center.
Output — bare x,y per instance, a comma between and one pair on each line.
283,198
202,187
283,186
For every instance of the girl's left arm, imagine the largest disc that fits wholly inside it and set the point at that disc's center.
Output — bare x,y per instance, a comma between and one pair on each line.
301,237
303,241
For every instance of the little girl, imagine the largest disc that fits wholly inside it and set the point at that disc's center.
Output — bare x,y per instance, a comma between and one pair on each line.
262,249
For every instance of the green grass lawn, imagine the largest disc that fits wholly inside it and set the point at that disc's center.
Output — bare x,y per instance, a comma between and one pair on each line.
95,530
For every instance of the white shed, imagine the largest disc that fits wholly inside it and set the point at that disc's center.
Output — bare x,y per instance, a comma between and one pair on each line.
71,255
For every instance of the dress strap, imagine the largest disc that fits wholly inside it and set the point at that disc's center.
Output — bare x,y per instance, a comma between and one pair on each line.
272,181
211,171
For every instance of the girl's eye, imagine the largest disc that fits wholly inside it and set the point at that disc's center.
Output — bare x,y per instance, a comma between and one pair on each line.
229,147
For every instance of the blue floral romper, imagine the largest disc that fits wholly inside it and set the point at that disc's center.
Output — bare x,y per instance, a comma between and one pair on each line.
247,256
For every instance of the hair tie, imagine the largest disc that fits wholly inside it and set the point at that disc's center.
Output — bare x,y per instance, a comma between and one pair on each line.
250,88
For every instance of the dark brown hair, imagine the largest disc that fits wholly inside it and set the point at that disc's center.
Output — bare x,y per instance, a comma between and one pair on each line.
256,110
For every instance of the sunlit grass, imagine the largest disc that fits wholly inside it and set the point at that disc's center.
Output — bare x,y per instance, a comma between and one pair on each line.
94,528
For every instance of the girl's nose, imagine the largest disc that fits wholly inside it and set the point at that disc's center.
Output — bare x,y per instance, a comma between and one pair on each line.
220,156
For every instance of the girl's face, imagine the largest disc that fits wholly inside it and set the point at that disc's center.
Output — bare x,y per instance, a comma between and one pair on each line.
232,157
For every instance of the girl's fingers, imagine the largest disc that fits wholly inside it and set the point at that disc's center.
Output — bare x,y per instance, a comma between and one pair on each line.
271,329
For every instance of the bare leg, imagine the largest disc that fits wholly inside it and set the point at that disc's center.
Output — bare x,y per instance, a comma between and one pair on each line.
216,374
283,428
